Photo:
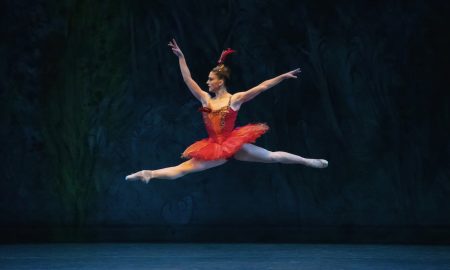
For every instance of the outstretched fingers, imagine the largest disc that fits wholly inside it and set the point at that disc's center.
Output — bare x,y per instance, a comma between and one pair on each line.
173,44
175,49
292,74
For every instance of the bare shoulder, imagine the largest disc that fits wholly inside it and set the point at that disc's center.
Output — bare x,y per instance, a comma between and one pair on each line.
236,101
205,98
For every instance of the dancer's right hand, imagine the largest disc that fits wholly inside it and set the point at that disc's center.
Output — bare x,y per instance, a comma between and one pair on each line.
175,49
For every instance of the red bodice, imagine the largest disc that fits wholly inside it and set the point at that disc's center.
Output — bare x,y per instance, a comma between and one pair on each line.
219,123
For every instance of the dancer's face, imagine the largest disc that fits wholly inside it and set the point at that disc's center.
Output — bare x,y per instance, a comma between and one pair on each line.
214,83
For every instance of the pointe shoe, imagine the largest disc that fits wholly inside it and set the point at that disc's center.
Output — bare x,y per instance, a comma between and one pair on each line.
319,163
144,176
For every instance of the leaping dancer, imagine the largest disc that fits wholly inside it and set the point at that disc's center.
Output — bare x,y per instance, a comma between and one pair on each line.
219,115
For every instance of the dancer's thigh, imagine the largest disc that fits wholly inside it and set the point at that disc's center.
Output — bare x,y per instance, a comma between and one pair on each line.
196,165
253,153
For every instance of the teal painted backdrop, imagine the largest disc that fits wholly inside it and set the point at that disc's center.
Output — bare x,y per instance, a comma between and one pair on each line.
91,92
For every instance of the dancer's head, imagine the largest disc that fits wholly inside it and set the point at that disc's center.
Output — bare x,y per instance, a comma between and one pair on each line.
219,75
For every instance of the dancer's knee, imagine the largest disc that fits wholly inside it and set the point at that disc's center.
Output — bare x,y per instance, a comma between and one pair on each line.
275,156
177,172
185,168
170,173
191,166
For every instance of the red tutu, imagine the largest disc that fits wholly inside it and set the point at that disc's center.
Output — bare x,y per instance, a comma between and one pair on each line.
224,140
225,147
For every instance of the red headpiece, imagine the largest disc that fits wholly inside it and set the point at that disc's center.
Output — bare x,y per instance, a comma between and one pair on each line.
224,55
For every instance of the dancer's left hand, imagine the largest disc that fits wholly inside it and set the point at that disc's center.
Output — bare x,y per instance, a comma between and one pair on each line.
292,74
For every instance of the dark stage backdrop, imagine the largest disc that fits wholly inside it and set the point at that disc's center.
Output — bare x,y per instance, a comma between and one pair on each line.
90,92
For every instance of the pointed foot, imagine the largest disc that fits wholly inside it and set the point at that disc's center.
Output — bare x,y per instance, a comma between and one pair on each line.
319,163
144,176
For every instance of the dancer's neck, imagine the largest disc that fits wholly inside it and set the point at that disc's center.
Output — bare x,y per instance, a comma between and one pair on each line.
222,93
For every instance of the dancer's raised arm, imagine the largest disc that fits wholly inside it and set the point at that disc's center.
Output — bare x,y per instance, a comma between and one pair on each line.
201,95
241,97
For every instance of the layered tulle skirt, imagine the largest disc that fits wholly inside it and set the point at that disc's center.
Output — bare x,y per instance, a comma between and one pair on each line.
224,147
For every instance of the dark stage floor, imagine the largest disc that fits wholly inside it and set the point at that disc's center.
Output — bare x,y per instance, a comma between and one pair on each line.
222,256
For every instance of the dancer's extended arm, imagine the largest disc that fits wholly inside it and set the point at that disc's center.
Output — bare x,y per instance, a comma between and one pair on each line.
201,95
245,96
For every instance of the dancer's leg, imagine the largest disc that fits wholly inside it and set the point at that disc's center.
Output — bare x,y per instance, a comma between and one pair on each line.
251,152
189,166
